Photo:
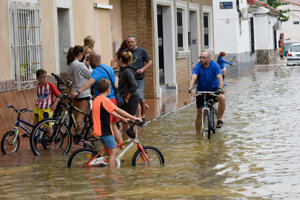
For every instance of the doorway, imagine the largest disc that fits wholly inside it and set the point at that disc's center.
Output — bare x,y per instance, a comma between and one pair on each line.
193,37
64,37
160,46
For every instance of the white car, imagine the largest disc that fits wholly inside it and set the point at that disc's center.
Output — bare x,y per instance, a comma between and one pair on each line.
293,55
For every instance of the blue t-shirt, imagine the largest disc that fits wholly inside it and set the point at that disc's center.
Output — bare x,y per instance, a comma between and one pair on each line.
207,77
99,73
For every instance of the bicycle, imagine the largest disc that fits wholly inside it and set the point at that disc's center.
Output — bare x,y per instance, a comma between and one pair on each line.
209,113
11,141
61,131
144,156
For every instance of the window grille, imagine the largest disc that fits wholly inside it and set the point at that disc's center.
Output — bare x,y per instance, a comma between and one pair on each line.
26,42
206,30
179,30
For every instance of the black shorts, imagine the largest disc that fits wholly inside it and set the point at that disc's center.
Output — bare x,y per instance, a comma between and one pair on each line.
131,105
200,99
82,98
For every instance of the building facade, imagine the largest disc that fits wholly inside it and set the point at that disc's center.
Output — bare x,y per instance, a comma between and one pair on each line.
246,32
291,28
38,33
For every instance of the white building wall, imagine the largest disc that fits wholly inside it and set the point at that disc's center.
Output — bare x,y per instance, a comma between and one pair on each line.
231,32
291,31
225,28
263,27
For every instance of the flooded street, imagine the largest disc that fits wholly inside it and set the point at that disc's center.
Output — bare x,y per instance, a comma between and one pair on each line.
254,156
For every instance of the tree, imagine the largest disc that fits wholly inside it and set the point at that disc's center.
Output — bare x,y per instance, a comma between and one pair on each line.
275,4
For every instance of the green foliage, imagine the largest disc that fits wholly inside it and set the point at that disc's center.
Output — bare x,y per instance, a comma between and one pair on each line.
275,4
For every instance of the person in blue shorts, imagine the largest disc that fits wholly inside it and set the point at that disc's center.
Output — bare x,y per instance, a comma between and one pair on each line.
208,75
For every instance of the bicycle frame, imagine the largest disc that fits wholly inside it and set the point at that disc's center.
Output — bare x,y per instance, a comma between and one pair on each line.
104,159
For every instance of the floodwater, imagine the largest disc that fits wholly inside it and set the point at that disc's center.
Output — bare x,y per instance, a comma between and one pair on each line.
254,156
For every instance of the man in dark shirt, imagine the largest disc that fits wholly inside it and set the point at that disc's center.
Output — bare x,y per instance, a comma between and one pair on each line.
139,58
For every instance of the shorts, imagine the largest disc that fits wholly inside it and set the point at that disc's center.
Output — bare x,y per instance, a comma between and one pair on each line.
224,69
82,98
109,141
141,89
200,99
132,104
112,118
42,114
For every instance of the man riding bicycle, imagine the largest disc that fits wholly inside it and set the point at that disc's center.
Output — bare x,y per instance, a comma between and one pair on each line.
209,78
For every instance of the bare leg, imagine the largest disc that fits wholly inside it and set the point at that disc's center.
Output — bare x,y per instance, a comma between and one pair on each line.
198,121
117,133
222,105
124,127
82,105
112,158
143,109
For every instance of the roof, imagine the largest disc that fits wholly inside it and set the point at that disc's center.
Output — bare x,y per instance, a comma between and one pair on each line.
255,2
295,2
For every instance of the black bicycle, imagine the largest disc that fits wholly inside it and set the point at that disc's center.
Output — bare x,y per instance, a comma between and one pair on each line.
64,120
209,113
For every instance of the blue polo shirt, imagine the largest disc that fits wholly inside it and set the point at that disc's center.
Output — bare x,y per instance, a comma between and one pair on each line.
207,77
99,73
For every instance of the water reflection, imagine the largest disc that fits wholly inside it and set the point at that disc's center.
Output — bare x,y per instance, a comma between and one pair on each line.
255,155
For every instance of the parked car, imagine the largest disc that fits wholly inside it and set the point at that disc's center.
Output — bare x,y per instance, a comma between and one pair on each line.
293,56
287,46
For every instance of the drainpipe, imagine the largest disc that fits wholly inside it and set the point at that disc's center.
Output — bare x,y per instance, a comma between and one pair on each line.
240,14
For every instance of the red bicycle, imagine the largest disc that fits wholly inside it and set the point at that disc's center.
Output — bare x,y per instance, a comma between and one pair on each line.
144,156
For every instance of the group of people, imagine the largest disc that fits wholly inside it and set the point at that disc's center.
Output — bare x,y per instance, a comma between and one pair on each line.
132,61
89,75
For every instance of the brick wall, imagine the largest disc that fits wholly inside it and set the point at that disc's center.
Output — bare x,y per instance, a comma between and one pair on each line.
182,75
137,20
19,99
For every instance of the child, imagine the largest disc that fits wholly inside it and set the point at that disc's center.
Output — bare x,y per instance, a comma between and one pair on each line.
102,108
44,105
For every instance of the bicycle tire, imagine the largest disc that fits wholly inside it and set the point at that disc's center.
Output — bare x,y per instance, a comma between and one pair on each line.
206,123
38,140
214,118
82,155
9,137
152,153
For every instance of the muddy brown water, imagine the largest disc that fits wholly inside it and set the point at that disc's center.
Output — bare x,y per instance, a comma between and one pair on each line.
254,156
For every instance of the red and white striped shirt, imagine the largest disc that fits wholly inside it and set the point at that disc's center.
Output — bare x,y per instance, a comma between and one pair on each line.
45,95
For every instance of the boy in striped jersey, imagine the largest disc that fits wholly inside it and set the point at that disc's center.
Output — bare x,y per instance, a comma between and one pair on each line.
44,105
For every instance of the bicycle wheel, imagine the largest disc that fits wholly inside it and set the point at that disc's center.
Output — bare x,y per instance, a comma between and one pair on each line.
155,156
206,124
214,118
10,142
49,137
80,156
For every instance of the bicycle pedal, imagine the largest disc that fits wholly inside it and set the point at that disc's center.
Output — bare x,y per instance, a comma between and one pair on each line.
24,135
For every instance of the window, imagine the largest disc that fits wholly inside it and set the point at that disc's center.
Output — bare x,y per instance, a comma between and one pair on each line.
206,30
26,42
179,30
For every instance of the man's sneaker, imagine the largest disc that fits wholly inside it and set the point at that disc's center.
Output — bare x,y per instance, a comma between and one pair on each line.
219,124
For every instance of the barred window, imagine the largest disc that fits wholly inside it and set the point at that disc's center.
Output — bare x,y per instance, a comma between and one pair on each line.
179,30
26,42
206,30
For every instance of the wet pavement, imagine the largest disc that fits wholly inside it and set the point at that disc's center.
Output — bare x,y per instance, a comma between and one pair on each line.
254,156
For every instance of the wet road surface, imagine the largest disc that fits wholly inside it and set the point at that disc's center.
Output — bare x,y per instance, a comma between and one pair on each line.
254,156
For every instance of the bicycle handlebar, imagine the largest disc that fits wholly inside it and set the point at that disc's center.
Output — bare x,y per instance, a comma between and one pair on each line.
213,93
60,81
19,111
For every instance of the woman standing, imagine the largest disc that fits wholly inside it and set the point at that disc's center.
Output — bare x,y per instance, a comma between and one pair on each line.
222,63
127,87
114,61
79,74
